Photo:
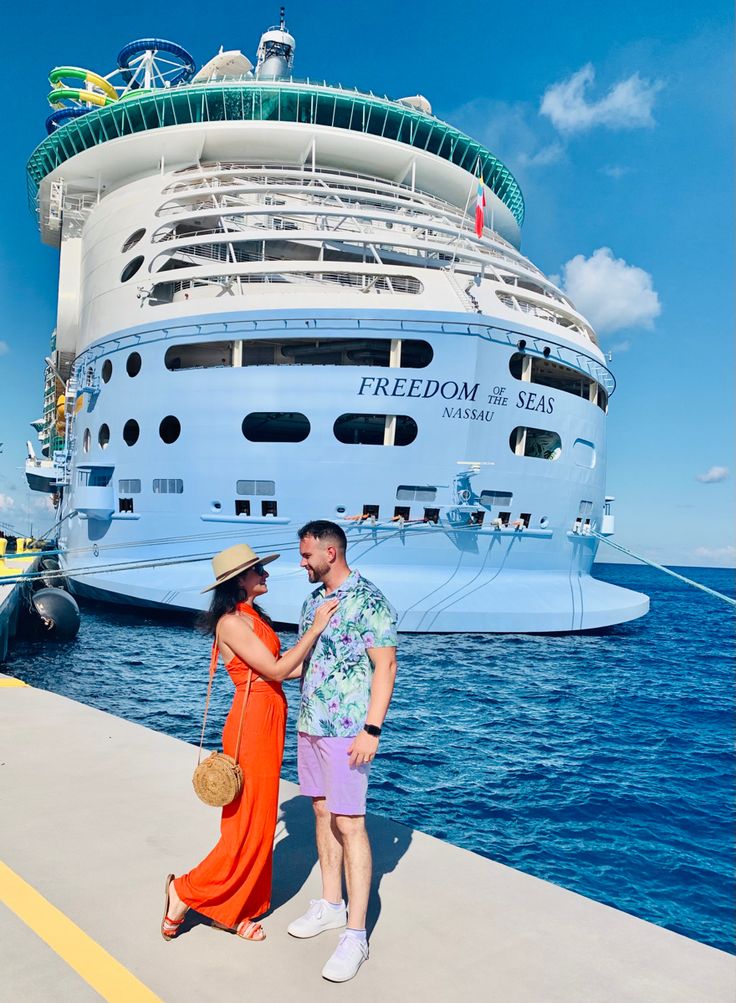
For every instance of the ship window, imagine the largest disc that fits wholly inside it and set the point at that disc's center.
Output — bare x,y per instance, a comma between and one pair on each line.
86,440
242,506
525,518
363,352
131,268
276,426
132,240
131,431
129,486
416,492
255,487
133,364
402,512
432,515
370,511
584,453
585,509
375,429
535,442
504,517
168,486
94,477
106,371
203,355
490,498
125,504
549,373
103,436
269,508
169,429
477,517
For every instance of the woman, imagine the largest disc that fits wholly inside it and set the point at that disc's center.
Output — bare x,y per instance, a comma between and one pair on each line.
232,885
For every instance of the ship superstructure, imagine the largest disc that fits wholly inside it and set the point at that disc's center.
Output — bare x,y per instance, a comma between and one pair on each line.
274,306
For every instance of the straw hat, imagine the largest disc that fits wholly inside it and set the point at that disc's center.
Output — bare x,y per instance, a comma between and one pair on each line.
234,561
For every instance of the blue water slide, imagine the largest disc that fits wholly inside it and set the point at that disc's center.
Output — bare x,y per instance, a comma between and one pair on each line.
180,69
63,115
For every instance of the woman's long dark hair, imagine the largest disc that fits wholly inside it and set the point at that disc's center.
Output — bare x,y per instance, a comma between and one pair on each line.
225,599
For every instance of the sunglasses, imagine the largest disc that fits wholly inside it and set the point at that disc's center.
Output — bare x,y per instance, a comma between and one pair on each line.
259,569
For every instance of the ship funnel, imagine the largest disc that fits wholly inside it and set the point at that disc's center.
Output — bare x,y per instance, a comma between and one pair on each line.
275,52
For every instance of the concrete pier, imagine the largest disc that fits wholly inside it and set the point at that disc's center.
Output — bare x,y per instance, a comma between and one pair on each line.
95,811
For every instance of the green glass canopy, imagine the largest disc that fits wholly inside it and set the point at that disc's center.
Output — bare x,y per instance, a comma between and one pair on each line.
273,101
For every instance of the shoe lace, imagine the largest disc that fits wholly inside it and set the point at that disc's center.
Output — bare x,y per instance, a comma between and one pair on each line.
347,945
315,908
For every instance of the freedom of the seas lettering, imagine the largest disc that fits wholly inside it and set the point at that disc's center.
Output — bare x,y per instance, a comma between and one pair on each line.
455,391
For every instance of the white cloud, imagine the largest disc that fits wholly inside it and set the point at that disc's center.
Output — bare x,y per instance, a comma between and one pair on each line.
4,347
510,130
6,503
620,346
611,293
627,105
713,476
615,171
720,555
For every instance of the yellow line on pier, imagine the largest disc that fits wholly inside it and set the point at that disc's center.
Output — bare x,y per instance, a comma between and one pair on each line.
98,968
12,682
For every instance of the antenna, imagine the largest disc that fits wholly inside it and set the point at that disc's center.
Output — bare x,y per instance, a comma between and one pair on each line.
282,18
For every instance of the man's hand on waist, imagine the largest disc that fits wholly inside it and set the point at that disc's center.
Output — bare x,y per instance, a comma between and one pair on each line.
363,749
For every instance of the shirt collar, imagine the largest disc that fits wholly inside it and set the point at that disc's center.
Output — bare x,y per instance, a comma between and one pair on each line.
347,586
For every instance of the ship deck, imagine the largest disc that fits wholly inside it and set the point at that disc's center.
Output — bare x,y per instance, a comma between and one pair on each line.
97,810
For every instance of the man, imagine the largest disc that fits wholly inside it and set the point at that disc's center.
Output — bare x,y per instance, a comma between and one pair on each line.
347,684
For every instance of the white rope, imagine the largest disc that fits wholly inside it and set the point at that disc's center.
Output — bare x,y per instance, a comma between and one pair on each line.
660,567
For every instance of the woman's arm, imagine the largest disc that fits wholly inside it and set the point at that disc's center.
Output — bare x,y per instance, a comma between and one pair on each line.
241,638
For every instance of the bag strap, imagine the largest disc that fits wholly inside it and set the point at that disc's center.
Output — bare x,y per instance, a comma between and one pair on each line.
213,669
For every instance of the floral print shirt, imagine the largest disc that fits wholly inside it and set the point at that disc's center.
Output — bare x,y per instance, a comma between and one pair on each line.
337,676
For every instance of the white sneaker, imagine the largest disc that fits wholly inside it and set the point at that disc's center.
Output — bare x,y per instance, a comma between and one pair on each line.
320,916
349,955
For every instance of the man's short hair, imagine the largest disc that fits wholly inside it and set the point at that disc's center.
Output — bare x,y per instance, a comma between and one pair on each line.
326,532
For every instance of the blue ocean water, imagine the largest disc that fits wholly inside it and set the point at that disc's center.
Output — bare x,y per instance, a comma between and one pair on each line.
603,762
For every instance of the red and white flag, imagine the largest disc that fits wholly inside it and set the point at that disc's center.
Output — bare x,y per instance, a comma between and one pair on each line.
480,205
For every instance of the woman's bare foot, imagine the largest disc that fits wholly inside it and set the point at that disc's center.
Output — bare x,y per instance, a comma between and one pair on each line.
177,909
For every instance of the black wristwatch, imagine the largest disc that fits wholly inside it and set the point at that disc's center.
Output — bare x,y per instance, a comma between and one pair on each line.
373,730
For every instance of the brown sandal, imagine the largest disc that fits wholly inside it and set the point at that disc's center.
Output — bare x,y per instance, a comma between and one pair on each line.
169,927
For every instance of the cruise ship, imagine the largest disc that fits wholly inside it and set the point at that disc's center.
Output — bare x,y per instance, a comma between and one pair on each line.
283,299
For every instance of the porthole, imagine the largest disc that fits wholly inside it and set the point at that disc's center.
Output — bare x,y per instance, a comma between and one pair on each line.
132,240
86,440
169,429
103,436
375,429
133,364
106,371
276,426
131,431
131,268
539,443
544,522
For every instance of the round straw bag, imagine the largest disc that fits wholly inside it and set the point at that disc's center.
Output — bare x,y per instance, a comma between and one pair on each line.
219,780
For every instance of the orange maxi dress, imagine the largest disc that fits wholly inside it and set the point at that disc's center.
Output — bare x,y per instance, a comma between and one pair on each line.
233,882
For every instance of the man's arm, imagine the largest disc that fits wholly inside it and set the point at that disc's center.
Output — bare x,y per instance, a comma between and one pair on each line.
365,746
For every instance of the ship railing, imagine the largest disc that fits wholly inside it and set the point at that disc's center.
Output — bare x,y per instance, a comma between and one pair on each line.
233,283
288,176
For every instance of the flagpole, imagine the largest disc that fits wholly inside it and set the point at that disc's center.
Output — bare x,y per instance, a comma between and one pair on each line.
465,213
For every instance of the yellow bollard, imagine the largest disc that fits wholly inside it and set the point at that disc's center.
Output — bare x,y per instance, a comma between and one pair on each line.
3,548
20,545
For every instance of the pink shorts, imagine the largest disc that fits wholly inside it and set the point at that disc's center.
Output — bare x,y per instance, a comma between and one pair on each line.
324,772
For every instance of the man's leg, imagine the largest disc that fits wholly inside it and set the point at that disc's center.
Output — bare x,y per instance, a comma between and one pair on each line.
358,866
329,850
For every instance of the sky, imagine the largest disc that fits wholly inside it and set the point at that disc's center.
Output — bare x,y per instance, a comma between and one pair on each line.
617,121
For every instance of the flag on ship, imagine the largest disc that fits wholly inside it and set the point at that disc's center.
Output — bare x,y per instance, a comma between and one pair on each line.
480,205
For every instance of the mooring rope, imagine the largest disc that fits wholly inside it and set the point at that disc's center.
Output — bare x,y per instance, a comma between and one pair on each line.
660,567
